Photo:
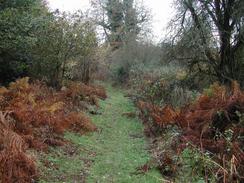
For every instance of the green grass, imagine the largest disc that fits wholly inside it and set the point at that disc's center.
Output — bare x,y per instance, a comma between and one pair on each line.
110,155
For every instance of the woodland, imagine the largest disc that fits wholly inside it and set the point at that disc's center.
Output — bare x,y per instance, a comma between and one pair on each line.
89,96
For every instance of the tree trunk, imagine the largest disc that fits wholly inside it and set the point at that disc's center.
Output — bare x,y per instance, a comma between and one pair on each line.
227,60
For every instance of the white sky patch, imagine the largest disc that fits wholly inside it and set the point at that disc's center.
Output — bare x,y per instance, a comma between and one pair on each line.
161,11
69,5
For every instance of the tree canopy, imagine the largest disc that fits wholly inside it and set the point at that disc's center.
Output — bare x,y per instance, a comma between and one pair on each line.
214,30
120,20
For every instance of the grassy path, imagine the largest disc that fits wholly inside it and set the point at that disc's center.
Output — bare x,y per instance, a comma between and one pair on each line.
110,155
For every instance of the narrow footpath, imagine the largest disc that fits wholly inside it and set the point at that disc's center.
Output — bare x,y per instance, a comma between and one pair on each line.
120,145
113,154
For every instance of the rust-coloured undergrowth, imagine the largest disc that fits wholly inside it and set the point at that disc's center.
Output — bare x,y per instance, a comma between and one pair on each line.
33,115
205,124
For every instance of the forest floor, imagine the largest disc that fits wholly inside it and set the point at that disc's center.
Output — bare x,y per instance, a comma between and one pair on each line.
110,155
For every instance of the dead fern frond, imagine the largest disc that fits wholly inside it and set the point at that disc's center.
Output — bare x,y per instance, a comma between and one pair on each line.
214,113
39,116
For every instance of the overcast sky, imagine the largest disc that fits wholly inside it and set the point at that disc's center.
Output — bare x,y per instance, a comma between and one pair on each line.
161,11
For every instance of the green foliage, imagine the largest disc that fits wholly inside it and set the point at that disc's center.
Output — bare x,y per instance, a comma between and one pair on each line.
43,44
70,38
121,75
194,166
16,36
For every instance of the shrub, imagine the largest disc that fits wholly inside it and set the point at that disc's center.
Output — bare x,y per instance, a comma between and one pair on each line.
212,123
161,86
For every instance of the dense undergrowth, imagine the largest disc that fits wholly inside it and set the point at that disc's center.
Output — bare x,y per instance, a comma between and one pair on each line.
34,116
204,136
